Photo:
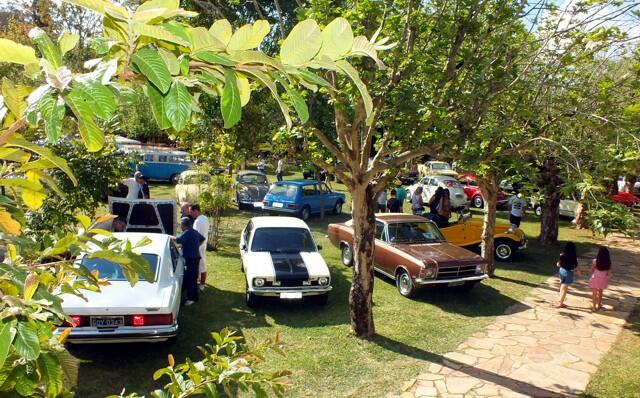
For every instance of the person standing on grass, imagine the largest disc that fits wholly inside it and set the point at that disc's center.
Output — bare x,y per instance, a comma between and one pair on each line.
599,280
134,185
401,192
201,224
417,206
261,164
518,205
382,202
393,204
191,240
144,189
280,168
567,265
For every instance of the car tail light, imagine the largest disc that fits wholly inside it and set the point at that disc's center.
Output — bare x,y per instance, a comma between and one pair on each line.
77,321
292,206
150,320
265,202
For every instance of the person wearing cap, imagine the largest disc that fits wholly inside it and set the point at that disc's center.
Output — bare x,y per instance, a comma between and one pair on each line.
134,185
144,189
191,240
401,192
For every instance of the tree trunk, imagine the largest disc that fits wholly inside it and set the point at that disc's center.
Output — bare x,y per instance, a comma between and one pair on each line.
581,219
361,293
489,189
549,183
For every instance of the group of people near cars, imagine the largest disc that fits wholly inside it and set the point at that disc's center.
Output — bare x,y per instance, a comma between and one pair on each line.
195,231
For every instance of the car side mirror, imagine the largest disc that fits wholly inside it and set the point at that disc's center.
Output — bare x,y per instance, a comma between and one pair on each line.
319,247
243,247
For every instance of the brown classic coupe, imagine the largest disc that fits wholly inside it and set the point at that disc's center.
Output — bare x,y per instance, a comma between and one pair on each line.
412,251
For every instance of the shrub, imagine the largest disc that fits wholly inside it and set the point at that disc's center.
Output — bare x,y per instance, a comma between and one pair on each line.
214,201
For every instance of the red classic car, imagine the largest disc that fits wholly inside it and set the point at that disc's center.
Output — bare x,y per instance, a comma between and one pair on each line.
472,190
412,251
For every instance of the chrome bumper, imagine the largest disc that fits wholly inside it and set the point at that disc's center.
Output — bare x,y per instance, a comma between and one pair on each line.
422,281
123,334
280,209
305,290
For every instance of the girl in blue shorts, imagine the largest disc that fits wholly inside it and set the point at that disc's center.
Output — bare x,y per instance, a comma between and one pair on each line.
567,265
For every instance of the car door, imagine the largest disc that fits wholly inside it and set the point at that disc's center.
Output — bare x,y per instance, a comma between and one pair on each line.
311,197
176,272
328,200
381,252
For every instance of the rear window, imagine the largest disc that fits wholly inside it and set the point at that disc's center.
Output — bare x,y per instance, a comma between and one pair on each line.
287,191
112,271
440,166
252,179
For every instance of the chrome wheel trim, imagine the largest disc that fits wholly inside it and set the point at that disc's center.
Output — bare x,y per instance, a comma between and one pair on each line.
404,283
346,255
503,251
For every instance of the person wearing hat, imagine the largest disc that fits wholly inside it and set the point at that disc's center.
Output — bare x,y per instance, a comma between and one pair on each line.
144,189
401,192
191,240
134,185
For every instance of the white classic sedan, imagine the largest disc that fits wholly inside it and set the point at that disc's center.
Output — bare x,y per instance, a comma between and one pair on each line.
120,313
280,259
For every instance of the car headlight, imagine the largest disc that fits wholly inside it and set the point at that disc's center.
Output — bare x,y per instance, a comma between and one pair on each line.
429,271
480,269
258,282
324,281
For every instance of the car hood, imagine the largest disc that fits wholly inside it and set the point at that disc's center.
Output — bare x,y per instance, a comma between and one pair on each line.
442,253
119,298
279,266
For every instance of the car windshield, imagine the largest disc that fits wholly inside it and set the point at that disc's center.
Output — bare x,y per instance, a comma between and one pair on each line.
282,240
252,179
452,184
440,166
196,178
414,232
112,271
287,191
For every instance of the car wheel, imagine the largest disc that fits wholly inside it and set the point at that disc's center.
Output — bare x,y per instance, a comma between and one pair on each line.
404,283
251,298
174,178
305,213
322,299
337,209
347,255
538,211
478,202
504,250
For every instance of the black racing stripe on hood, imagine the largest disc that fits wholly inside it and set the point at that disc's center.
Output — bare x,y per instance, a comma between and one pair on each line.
289,266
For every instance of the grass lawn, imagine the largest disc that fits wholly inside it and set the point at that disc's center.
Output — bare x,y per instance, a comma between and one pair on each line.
619,370
325,359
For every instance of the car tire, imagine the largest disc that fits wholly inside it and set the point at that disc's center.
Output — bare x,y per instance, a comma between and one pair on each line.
174,178
404,284
305,213
322,299
478,201
346,255
337,209
251,298
504,250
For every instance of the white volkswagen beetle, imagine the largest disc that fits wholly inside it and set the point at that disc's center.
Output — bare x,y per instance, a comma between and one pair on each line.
120,313
280,259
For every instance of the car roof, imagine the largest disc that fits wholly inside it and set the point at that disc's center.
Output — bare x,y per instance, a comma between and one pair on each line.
278,222
157,244
241,173
192,172
297,182
399,217
443,177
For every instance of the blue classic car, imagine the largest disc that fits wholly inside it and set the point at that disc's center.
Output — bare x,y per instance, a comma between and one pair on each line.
302,198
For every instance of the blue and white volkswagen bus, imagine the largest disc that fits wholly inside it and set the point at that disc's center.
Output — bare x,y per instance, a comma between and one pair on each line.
159,163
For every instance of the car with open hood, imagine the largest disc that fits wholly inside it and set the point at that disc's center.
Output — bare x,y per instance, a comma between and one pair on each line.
411,250
280,259
121,313
250,188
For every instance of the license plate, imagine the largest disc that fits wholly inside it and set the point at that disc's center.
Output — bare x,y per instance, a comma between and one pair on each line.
291,295
257,204
456,283
276,204
107,321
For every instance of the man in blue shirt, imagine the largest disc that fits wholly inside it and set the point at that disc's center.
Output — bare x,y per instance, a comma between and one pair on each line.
190,239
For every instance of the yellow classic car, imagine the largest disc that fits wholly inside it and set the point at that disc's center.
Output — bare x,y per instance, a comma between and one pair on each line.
467,233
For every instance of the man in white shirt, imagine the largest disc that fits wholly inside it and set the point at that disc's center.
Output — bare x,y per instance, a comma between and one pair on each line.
201,224
518,205
280,169
134,184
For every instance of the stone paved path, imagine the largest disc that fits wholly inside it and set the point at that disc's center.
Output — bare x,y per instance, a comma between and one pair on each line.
536,349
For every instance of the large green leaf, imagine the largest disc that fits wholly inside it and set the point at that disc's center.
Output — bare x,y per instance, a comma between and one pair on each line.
48,48
350,71
214,58
27,343
221,30
171,60
230,103
203,40
51,373
254,57
52,110
101,97
13,52
150,64
158,32
177,104
7,333
268,81
298,102
337,39
14,95
178,29
99,6
156,100
362,46
151,4
18,141
81,106
249,36
67,42
302,44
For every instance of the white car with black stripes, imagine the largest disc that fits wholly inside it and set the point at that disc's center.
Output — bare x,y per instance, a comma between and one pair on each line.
280,259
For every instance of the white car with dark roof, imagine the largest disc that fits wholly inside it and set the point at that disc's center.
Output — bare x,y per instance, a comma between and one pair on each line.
280,259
